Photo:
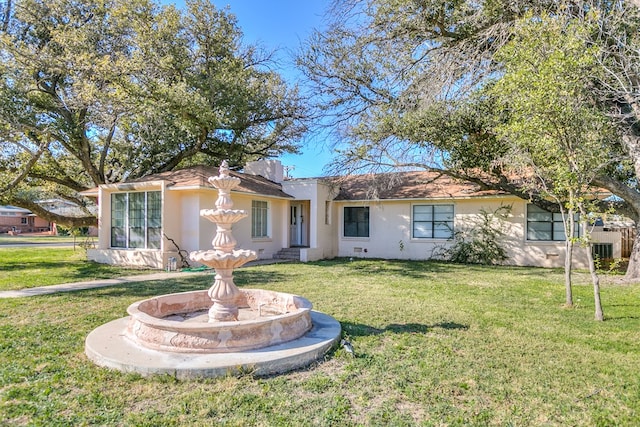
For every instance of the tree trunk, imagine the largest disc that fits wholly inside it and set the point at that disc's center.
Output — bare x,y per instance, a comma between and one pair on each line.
633,269
569,222
567,272
632,144
596,283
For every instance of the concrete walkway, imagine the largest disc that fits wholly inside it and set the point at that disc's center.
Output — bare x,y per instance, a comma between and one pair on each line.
101,283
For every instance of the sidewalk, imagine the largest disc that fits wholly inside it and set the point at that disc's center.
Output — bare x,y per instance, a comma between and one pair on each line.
101,283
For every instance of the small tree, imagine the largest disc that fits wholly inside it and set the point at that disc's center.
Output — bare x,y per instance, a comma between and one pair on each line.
557,136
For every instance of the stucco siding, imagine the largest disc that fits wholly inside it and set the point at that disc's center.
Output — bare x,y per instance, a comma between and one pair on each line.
319,205
390,233
322,224
277,218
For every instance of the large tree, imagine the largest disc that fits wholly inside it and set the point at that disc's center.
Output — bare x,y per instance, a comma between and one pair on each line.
99,91
402,80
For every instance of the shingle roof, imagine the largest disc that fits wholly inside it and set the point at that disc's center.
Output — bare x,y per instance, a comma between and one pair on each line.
407,185
197,177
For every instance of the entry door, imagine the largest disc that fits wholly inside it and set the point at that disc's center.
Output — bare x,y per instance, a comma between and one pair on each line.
295,225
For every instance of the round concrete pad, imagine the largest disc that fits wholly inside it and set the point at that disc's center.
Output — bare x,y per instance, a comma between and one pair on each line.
107,346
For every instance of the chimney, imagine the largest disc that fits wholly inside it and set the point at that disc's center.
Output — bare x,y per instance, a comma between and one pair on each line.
270,169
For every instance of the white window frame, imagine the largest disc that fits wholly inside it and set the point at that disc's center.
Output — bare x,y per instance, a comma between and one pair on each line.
431,222
151,227
260,219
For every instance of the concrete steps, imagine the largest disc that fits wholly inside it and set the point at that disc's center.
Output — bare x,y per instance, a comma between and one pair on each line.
288,253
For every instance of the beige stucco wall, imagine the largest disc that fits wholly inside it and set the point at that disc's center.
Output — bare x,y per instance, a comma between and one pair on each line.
390,233
322,224
138,257
278,211
181,222
390,227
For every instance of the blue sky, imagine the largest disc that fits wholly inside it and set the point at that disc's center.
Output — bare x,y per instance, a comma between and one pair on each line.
283,25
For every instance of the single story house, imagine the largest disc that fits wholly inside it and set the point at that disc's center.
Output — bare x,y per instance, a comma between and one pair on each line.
413,215
15,220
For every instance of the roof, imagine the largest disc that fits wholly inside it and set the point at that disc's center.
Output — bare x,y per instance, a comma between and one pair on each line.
407,185
14,210
197,176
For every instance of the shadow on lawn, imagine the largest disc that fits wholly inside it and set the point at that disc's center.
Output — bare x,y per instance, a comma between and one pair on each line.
413,268
360,330
153,288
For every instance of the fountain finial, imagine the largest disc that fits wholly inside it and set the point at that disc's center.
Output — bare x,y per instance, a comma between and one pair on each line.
224,168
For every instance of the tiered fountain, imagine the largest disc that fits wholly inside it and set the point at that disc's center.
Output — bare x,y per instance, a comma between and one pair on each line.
222,330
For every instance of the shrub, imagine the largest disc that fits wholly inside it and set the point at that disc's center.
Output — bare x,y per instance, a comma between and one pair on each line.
479,243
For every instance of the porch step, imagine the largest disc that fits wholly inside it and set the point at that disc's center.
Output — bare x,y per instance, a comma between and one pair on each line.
288,253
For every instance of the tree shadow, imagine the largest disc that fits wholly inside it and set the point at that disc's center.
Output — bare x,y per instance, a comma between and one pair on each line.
151,288
352,330
360,330
415,269
610,318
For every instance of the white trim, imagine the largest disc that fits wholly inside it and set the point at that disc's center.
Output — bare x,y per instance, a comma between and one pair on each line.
132,186
415,199
268,227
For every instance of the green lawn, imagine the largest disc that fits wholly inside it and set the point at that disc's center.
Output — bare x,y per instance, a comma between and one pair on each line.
28,267
436,344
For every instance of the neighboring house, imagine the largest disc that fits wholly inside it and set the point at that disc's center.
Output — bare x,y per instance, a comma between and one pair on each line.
69,209
410,215
16,220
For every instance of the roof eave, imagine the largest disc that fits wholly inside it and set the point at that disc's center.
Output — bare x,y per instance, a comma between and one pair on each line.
404,199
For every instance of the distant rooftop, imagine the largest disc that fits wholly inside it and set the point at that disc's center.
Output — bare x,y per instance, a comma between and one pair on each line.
14,210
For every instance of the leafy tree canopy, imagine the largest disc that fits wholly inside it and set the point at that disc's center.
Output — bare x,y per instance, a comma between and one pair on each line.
405,79
99,91
420,84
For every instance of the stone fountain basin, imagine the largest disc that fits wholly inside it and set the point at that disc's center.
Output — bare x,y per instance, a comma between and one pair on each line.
180,322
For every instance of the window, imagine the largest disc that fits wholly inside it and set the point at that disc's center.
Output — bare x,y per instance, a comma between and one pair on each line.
545,225
23,220
259,219
136,220
327,212
432,221
356,221
154,223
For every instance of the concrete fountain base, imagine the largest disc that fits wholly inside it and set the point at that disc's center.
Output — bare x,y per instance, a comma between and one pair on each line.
220,331
109,346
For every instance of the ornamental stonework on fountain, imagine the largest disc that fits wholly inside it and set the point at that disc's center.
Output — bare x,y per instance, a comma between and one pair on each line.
221,330
224,258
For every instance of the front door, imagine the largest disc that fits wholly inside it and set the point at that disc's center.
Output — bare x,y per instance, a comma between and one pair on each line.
295,225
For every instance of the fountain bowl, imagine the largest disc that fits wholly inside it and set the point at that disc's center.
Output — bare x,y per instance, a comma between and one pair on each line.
180,322
250,330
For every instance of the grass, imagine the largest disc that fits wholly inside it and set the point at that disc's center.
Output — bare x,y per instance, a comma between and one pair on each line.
436,344
28,267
